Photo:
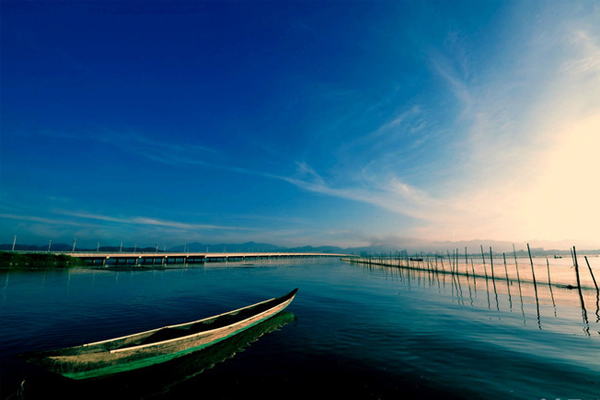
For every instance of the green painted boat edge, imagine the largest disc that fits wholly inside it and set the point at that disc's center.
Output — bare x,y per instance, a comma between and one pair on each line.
155,360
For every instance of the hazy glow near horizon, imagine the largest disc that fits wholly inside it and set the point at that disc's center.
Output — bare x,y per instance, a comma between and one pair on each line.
320,123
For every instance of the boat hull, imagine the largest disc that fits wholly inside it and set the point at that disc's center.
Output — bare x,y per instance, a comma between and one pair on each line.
131,352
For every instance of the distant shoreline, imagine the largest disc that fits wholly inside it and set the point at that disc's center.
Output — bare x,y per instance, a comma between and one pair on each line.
38,261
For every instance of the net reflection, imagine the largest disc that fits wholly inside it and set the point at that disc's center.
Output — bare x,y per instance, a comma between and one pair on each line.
554,296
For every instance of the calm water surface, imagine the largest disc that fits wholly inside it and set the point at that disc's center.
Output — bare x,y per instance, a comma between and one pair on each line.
353,331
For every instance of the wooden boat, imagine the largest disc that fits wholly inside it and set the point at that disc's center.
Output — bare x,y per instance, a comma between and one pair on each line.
155,346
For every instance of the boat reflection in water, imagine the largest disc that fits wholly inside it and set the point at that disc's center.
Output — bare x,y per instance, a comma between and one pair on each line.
153,380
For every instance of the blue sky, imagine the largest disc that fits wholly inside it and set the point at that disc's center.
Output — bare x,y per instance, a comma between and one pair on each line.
300,123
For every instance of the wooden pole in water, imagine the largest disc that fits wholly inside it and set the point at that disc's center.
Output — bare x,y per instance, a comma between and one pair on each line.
456,260
597,292
457,257
574,252
507,281
474,277
483,259
494,279
457,272
519,281
591,273
460,292
531,260
467,270
517,266
505,268
468,282
550,286
487,284
548,267
537,302
583,309
442,261
441,258
492,262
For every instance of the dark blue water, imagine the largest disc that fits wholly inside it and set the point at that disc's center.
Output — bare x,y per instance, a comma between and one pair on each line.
352,331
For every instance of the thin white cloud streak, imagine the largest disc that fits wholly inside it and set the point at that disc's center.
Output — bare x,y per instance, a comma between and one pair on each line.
49,221
164,152
146,221
392,195
589,61
443,66
89,227
129,140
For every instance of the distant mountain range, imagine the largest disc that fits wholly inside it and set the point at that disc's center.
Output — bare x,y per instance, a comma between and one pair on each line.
254,247
194,247
436,247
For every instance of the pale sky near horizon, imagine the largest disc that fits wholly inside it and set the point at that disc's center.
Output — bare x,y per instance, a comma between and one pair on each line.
300,123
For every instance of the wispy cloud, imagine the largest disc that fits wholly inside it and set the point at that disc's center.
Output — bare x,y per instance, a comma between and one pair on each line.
146,221
446,70
44,220
163,151
393,194
63,225
587,61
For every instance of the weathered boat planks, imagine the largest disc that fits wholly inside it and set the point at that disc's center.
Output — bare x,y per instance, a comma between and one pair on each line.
155,346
